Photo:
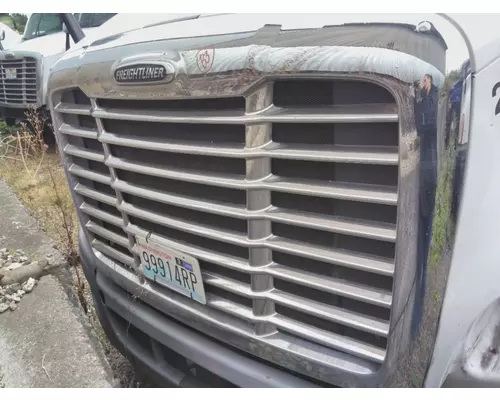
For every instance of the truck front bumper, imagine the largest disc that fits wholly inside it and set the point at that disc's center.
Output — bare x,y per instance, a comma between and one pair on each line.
169,352
12,114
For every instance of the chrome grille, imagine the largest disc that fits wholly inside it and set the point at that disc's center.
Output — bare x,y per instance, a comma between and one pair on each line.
21,88
287,197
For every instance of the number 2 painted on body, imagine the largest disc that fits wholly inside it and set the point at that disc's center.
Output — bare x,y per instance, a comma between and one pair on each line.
493,94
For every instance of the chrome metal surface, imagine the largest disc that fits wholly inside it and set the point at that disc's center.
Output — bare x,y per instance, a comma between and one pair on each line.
297,170
23,91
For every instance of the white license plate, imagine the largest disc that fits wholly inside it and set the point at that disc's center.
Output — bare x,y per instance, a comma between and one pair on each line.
10,73
171,268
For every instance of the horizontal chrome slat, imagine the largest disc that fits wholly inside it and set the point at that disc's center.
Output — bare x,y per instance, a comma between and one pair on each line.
339,257
348,154
89,174
99,214
182,201
373,230
332,340
113,253
17,64
331,223
15,91
94,194
107,234
339,342
239,239
320,310
343,191
78,132
356,192
83,153
77,109
28,79
365,113
332,285
221,150
323,283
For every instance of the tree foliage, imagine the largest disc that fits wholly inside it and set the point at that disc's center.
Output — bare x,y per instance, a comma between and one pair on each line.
14,21
451,78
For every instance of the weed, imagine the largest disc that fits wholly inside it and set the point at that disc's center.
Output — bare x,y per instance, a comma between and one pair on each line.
35,174
442,226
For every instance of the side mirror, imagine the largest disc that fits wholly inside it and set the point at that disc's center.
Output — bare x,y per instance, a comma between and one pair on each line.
66,31
2,35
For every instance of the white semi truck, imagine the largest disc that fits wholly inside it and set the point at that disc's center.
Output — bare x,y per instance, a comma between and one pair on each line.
25,66
266,200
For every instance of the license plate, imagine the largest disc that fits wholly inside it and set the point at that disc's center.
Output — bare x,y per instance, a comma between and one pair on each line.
171,268
10,73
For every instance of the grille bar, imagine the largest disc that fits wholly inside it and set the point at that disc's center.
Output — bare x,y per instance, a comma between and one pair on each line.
363,155
74,109
99,214
348,226
78,132
95,195
89,174
83,153
351,114
107,234
354,347
357,192
113,253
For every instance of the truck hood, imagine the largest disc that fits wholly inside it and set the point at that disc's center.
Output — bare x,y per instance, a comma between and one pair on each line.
124,29
126,22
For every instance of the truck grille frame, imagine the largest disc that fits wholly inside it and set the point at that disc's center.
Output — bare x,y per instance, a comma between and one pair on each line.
24,91
263,327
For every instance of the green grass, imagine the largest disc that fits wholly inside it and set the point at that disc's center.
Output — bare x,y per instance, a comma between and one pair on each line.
442,226
8,130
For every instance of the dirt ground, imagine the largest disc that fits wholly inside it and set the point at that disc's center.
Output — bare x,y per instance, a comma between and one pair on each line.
39,181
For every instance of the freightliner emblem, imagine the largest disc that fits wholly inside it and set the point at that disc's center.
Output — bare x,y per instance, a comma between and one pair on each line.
145,73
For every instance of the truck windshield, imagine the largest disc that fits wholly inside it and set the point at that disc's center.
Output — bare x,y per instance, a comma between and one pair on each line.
43,24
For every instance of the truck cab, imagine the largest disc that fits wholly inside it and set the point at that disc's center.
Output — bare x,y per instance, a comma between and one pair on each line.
25,67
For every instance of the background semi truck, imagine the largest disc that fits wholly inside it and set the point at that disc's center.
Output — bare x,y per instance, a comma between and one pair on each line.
264,199
25,66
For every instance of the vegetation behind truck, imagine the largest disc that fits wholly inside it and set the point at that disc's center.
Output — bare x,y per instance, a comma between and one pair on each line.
267,200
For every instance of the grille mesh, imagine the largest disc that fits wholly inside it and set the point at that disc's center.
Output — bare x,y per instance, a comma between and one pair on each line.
288,198
18,81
